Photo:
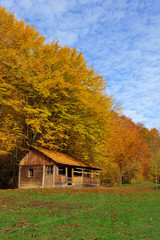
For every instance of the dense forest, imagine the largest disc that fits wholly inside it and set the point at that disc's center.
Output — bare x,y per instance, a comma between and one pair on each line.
50,98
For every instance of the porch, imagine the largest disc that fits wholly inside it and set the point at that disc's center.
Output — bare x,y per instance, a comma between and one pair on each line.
77,177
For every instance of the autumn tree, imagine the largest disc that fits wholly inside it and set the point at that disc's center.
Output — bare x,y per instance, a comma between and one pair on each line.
155,158
48,95
144,154
123,145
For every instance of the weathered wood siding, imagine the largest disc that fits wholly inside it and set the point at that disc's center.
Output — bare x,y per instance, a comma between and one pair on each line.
34,157
60,180
48,181
77,180
84,181
30,182
90,181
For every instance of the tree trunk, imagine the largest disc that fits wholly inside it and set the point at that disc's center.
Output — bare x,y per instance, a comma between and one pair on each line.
1,108
156,173
120,175
139,167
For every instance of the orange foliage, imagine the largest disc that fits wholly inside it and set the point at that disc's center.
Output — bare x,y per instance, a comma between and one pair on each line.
125,146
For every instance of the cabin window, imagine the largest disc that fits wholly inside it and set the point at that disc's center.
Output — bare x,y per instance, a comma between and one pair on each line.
77,172
62,171
49,170
30,174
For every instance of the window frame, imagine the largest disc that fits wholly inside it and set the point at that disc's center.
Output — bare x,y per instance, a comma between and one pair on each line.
30,172
49,170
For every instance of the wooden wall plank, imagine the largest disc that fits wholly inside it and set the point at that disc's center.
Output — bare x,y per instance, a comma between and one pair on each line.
29,182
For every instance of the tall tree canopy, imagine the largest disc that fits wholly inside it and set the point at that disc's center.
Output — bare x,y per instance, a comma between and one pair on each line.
49,96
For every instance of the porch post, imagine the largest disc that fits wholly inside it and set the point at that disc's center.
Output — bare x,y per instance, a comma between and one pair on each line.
67,175
82,176
66,171
19,176
54,176
43,175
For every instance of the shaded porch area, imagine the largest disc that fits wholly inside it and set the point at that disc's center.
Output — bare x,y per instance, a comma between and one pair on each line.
76,176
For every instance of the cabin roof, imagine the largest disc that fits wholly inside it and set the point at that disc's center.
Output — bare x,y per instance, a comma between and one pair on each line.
61,158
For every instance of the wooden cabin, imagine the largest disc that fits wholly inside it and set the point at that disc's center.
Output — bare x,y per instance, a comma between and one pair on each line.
44,168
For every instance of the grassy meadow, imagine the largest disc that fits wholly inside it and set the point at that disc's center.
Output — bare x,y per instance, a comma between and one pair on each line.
130,212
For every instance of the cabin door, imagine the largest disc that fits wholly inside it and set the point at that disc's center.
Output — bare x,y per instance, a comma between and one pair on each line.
69,176
48,176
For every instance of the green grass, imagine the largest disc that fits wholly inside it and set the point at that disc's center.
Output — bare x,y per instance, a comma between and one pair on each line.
132,212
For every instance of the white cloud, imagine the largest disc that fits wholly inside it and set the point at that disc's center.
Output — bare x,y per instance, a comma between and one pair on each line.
67,38
134,115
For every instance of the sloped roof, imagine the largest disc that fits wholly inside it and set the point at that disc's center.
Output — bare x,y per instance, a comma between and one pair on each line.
61,158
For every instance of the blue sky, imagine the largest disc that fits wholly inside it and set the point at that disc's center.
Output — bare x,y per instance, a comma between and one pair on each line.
120,38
